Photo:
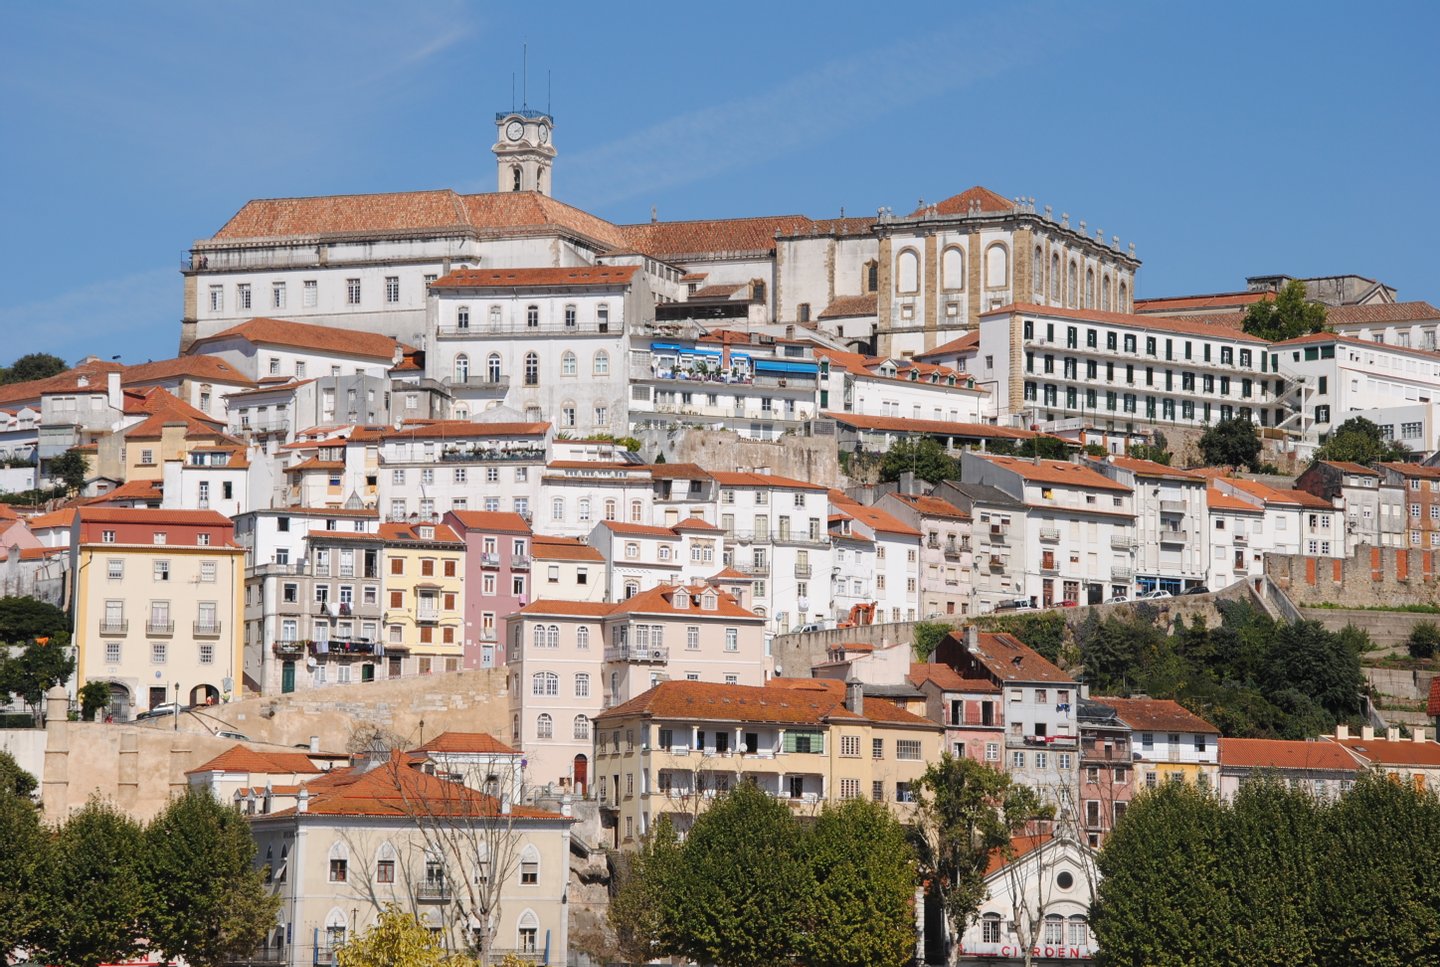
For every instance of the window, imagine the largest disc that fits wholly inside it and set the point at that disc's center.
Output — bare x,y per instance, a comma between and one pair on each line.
532,369
544,683
309,294
849,788
567,363
158,652
907,749
217,298
877,748
112,652
339,870
582,683
114,569
352,292
530,866
385,871
162,570
532,317
544,726
850,746
392,289
990,928
732,639
602,363
242,295
581,728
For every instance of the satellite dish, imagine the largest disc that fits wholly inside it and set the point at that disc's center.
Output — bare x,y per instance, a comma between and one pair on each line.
310,662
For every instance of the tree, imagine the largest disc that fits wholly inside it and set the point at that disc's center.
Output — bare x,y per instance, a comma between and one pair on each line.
1358,440
641,882
1045,447
207,902
396,940
24,848
1230,443
923,456
93,697
14,780
1307,657
70,468
1157,450
928,635
857,908
966,810
736,900
35,669
33,366
1286,316
22,619
1424,639
90,899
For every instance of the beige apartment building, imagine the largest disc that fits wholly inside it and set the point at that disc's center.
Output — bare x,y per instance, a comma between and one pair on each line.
805,741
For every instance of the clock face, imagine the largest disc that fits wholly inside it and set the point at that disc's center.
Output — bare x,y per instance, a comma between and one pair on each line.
544,134
513,130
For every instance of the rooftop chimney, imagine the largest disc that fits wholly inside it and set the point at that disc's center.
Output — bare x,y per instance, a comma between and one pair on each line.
1367,733
854,695
112,390
314,743
1419,734
972,638
1392,734
1342,732
302,801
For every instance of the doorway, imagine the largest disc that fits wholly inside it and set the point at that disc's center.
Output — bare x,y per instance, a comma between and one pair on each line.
582,774
287,677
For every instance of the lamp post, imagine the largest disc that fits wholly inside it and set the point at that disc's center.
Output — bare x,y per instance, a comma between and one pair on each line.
177,706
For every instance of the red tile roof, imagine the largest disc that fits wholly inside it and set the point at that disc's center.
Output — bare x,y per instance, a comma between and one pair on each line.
462,429
876,519
199,367
580,275
410,533
1285,754
1380,313
1417,470
300,335
806,701
1155,715
970,342
989,202
849,306
948,678
1434,707
676,240
1405,752
1057,472
239,758
1020,847
1345,466
492,521
547,548
480,743
1186,325
1010,659
1217,300
639,530
1149,468
1220,500
933,506
900,424
153,516
695,524
746,479
94,373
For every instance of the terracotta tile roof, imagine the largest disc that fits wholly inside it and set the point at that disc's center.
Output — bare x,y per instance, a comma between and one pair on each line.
1149,468
1155,715
300,335
509,213
1217,300
676,240
482,743
410,533
157,400
568,609
1011,660
1345,466
154,516
678,471
1220,500
989,202
582,275
1405,752
1057,472
1433,709
94,373
970,342
900,424
129,490
726,291
850,306
1381,313
463,429
933,506
1020,847
1284,754
948,678
547,548
1272,495
56,518
694,276
153,428
695,524
1185,326
596,465
199,367
639,530
491,521
659,600
284,384
811,701
745,479
239,758
876,519
315,463
727,575
1416,470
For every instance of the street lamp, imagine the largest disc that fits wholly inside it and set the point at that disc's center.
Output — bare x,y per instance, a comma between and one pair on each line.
177,706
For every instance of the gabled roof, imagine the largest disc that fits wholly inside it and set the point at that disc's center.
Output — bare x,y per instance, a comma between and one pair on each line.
1416,470
239,758
1009,659
695,524
462,429
300,335
948,679
1156,715
1184,325
1149,468
1020,847
626,529
153,516
1404,752
1380,313
544,547
410,533
93,373
932,506
496,521
804,701
970,342
1192,303
198,367
900,424
676,240
1285,754
876,519
580,275
1057,472
736,478
476,743
1345,466
1218,499
850,306
986,200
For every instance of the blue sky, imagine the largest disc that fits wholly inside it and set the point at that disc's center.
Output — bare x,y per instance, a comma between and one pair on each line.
1223,139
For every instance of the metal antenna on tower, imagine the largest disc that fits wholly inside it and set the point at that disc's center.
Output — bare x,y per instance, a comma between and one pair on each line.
525,87
512,92
547,92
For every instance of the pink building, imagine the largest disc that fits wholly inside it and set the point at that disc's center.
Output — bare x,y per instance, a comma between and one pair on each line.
498,559
970,709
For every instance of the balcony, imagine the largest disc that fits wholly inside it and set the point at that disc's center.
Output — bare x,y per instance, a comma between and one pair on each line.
803,570
1122,542
480,383
486,329
1050,534
489,559
519,562
1050,567
493,454
207,629
954,549
638,654
164,628
115,626
262,428
343,646
754,570
1240,538
1172,506
427,616
997,563
289,649
932,542
1173,535
434,891
489,634
327,956
1119,573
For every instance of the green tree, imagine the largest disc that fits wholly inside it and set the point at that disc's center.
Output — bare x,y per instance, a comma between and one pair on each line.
923,456
1424,639
928,635
966,810
396,940
1358,440
70,469
24,848
36,668
207,901
90,899
641,883
1286,316
857,908
736,900
1230,443
1157,450
33,366
1307,657
93,697
1045,447
22,619
13,779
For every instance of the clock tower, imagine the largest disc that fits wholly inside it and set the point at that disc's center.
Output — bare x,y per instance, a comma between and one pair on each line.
523,150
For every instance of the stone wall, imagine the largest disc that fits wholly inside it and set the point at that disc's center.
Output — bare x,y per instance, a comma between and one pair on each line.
1373,577
814,459
1388,629
795,654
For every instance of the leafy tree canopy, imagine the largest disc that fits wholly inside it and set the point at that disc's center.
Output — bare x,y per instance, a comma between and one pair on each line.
923,456
70,469
396,940
1231,443
1157,450
32,366
35,669
928,635
1286,316
1358,440
22,619
15,781
24,849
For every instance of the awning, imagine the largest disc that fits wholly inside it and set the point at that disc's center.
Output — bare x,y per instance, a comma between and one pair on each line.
776,366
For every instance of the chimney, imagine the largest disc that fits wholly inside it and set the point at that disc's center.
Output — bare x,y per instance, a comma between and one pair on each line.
1367,733
302,801
314,743
567,808
1342,732
504,804
907,482
972,639
854,695
1392,734
113,395
1419,734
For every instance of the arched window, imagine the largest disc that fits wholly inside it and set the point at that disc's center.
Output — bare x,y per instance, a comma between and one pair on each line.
602,363
1054,929
532,369
544,683
462,412
557,508
584,510
1122,304
567,363
339,862
582,728
544,726
492,367
1105,293
907,271
609,509
514,177
1079,932
532,317
527,928
335,922
635,511
1089,288
462,368
1055,277
529,870
582,637
631,589
462,317
582,684
554,636
1072,285
872,276
990,928
997,266
952,268
1037,268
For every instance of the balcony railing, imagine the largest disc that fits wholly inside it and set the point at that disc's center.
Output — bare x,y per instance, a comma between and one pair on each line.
427,615
802,570
481,382
262,426
1049,567
932,542
493,455
118,626
207,629
1122,542
1122,573
433,892
486,329
1050,533
775,537
489,634
1171,535
1172,506
998,536
954,549
159,627
997,563
489,559
1240,538
519,562
754,570
289,649
638,653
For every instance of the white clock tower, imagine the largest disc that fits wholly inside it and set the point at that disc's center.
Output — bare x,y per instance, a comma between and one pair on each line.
523,152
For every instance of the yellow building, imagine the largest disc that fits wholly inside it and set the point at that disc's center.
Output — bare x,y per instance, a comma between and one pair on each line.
424,568
805,741
1167,741
157,605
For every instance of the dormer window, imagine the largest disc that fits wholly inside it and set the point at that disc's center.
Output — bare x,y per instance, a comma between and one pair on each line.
427,533
681,599
707,601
